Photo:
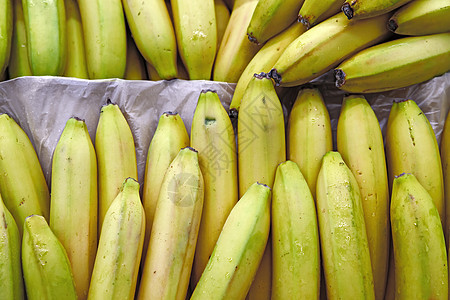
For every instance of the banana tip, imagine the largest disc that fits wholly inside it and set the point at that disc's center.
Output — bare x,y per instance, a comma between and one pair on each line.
392,25
275,76
252,39
170,113
78,119
265,185
340,77
304,21
347,10
191,149
208,90
233,113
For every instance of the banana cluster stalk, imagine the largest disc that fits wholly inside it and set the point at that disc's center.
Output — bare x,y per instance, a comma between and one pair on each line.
73,210
22,182
309,134
120,246
153,33
295,236
6,33
196,31
360,142
445,160
313,12
45,25
170,254
116,156
271,17
345,249
169,138
239,249
395,64
46,267
11,280
324,46
212,134
421,270
364,9
105,37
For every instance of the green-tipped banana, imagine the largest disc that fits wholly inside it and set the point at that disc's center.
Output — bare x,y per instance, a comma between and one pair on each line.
73,210
45,24
360,142
120,246
196,31
212,135
271,17
6,33
11,281
395,64
313,12
324,46
411,147
46,267
169,138
309,134
239,249
168,262
22,182
445,160
153,33
345,249
421,270
295,236
364,9
116,156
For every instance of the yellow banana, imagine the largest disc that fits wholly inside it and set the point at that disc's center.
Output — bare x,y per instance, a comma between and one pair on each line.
76,58
120,246
222,18
18,61
73,210
445,160
196,31
360,142
153,33
325,45
213,135
22,182
105,37
364,9
11,281
394,64
171,249
135,68
116,156
235,51
271,17
46,267
313,12
6,33
295,237
343,239
421,270
239,249
309,134
45,25
169,138
264,60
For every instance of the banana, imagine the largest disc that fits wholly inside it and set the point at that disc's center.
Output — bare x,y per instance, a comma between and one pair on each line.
18,61
213,135
326,45
360,142
105,37
313,12
120,246
169,138
46,267
73,210
309,134
271,17
421,270
421,17
235,51
363,9
11,281
45,26
239,249
411,147
153,33
196,32
264,60
76,58
222,18
345,249
22,182
116,156
394,64
171,249
151,72
6,33
135,68
445,160
295,237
